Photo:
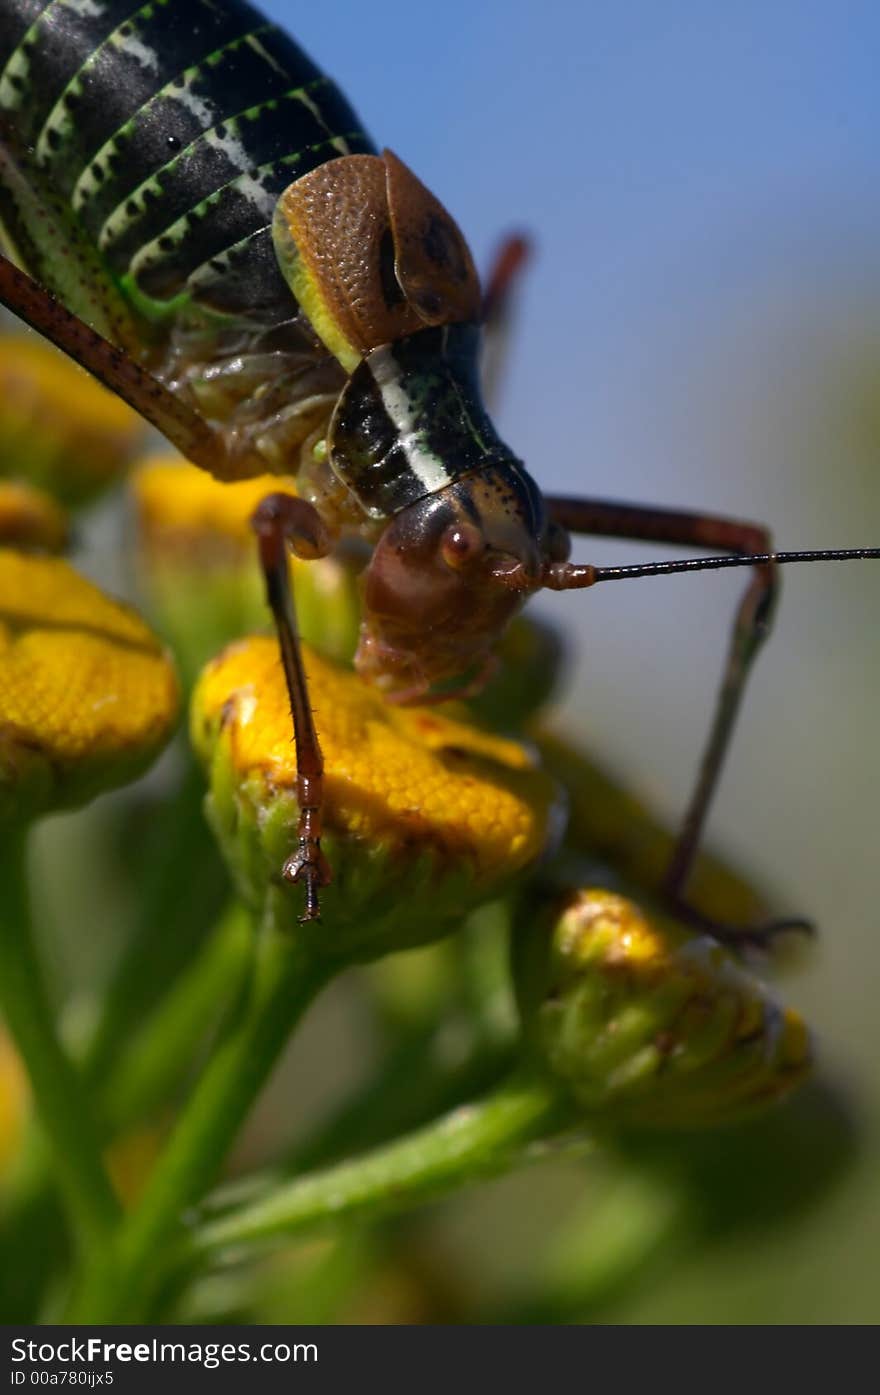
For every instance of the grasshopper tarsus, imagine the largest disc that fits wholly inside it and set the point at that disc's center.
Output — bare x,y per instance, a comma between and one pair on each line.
761,937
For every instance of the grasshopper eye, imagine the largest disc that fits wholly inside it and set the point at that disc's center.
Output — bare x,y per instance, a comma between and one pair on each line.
461,544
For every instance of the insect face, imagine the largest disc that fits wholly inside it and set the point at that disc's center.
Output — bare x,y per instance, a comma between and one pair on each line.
412,441
434,600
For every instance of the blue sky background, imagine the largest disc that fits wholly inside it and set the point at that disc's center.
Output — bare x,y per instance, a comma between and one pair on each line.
701,326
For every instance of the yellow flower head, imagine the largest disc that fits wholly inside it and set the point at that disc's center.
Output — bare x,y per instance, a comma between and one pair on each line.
87,695
59,429
187,515
648,1022
425,816
198,562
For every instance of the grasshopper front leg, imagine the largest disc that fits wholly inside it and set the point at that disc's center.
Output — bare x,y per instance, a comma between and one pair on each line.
281,519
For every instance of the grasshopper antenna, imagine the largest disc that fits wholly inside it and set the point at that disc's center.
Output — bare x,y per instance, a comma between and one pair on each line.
569,576
751,628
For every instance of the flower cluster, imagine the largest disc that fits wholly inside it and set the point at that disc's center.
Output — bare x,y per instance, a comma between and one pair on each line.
438,822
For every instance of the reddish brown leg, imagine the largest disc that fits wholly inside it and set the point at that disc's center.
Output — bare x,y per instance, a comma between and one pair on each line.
505,274
279,520
750,629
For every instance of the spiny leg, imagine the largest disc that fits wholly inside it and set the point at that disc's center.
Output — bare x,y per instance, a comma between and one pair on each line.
279,520
751,627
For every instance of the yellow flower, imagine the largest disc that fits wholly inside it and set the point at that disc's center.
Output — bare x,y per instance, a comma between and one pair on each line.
198,563
182,511
425,816
30,519
59,429
643,1020
87,695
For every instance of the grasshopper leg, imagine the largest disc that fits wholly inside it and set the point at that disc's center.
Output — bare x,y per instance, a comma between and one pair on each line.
751,627
502,284
281,520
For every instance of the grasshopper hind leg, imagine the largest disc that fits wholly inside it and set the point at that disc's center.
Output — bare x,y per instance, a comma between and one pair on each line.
751,628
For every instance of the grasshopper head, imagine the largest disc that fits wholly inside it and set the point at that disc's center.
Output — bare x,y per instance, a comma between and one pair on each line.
437,592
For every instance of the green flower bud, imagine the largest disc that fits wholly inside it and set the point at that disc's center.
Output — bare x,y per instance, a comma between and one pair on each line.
648,1023
424,817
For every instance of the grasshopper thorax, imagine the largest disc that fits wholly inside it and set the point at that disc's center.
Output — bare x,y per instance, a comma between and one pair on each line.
411,421
412,441
456,514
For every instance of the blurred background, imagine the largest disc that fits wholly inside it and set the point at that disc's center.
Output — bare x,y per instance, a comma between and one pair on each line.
700,327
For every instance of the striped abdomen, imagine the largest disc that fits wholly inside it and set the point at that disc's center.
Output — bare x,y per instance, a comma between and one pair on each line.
161,135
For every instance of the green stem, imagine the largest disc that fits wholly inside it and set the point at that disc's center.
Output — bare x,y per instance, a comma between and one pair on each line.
57,1092
410,1087
414,1085
181,887
465,997
284,982
475,1140
145,1073
141,1079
